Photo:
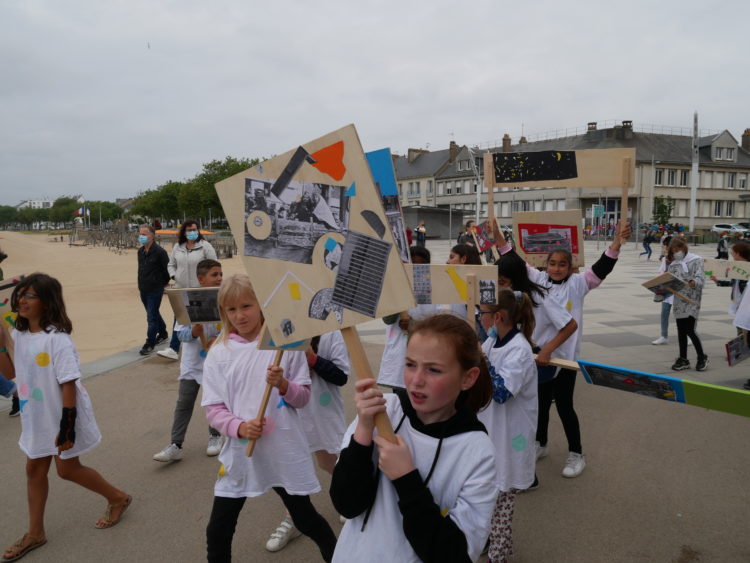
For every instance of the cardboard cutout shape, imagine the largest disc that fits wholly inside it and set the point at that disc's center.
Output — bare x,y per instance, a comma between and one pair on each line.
312,235
537,233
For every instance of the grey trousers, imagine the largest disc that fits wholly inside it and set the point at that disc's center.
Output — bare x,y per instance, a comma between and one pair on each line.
183,410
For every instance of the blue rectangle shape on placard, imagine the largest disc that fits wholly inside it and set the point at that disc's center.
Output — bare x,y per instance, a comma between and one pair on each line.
381,167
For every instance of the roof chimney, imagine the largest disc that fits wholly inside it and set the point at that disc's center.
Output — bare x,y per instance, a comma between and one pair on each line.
453,151
522,140
627,124
746,140
591,126
506,143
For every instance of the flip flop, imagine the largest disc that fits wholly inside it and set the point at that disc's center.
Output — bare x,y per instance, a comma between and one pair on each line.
107,520
20,551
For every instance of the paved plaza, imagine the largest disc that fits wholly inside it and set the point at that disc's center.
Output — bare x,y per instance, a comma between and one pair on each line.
664,482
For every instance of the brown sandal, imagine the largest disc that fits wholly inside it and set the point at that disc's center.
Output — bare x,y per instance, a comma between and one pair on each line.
107,521
21,548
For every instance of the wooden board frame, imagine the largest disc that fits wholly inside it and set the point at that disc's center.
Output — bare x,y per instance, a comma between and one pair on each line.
449,283
286,289
569,220
726,269
176,298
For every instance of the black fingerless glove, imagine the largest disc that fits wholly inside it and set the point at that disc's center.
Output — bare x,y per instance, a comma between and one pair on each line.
67,426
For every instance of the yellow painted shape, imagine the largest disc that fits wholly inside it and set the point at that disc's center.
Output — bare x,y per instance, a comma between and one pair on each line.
459,283
444,512
569,305
42,359
294,291
222,471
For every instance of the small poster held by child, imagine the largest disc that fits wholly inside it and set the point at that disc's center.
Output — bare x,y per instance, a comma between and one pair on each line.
537,233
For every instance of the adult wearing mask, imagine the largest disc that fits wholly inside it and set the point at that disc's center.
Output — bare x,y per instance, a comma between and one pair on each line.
153,276
189,249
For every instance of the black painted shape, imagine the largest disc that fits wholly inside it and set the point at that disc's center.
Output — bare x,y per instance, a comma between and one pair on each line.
374,221
516,167
298,158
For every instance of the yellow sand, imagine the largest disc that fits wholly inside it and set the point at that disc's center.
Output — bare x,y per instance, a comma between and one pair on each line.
100,289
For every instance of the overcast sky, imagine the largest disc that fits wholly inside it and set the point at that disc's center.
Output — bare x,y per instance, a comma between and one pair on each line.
111,98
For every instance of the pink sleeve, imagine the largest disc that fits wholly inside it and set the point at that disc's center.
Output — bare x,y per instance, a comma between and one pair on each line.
612,253
296,395
505,249
591,279
220,418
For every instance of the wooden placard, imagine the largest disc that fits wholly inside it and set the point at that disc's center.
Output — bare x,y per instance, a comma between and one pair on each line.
537,233
667,283
593,168
714,397
6,291
738,349
384,176
447,284
265,342
313,236
195,305
726,269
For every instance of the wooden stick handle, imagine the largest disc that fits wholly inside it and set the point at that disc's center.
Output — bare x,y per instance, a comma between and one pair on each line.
565,364
471,301
363,371
204,342
264,403
683,297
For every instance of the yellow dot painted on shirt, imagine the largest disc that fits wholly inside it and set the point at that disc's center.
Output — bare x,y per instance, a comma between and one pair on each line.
42,359
444,512
222,471
569,305
218,326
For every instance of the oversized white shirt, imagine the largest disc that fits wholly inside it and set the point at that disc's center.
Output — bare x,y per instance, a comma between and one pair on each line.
462,485
192,354
550,318
43,361
323,416
512,425
234,374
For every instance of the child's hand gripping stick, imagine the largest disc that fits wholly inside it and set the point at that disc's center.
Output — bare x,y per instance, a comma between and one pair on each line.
264,403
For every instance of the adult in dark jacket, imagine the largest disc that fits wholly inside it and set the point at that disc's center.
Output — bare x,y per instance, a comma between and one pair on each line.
153,276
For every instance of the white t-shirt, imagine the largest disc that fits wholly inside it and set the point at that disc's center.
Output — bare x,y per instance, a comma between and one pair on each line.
742,314
462,485
394,354
44,360
512,425
569,295
192,353
551,317
323,417
234,374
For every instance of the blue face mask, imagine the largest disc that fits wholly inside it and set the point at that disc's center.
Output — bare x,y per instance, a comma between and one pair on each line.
192,235
492,333
142,239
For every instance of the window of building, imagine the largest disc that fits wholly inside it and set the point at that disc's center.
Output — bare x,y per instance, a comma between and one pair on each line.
463,165
717,208
730,209
658,176
400,190
429,187
719,153
474,184
538,205
684,177
505,209
706,178
718,180
448,188
458,187
549,204
730,153
484,210
731,179
560,205
743,182
671,177
440,188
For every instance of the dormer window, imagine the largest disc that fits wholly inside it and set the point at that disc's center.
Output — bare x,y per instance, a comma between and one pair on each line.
719,153
729,154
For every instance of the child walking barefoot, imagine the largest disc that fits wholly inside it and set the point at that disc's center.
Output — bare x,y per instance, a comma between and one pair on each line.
57,419
511,418
433,494
234,378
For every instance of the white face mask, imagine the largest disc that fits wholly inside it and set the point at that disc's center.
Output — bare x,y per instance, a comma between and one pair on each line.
679,255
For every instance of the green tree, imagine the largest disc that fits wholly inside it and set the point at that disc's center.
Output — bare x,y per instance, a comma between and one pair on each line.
26,217
8,215
663,208
64,210
212,173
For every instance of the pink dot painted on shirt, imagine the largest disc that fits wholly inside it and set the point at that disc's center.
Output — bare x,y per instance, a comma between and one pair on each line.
23,390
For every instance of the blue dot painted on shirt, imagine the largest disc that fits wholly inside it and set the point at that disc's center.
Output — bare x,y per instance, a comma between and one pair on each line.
282,403
519,443
325,399
22,403
244,440
202,353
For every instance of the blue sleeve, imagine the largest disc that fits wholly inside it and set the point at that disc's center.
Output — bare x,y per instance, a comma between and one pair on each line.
500,393
185,334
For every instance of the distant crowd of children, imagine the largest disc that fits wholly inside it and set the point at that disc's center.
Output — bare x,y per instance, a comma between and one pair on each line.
469,414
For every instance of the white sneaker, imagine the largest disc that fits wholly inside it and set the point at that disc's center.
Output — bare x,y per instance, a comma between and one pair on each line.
168,353
541,451
170,453
214,445
574,465
657,342
285,533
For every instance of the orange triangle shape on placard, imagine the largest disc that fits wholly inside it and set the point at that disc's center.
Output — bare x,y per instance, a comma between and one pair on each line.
330,160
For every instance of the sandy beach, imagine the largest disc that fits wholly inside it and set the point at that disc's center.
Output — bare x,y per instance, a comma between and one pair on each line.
100,289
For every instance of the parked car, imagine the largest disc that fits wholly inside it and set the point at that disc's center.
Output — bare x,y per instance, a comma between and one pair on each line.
730,228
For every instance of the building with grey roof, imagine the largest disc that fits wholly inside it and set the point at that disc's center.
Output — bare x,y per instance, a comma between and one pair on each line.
663,168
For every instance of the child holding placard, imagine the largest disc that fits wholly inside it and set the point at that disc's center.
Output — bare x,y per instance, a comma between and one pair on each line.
191,371
48,376
511,418
235,376
433,494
